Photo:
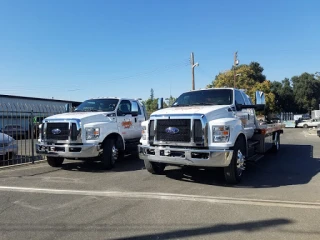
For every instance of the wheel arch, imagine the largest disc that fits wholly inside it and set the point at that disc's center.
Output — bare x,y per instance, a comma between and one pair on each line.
243,137
119,140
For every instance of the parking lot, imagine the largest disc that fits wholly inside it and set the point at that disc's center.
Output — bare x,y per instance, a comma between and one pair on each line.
279,198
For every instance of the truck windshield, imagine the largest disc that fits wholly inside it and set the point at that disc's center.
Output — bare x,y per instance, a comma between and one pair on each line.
205,97
98,105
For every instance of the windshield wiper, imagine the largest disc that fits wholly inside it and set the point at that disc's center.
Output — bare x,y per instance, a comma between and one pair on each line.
88,110
202,104
180,105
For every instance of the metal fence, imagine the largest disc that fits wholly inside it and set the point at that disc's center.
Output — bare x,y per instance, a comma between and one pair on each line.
21,123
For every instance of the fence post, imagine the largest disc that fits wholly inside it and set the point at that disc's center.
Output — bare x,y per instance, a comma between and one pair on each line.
32,137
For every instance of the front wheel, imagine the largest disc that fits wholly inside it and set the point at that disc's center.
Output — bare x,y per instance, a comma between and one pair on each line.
55,161
154,168
110,154
305,126
233,172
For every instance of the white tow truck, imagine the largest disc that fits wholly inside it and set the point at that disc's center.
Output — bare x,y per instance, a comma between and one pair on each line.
98,129
208,128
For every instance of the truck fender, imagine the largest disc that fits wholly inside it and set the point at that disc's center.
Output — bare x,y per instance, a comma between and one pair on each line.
238,129
243,136
119,140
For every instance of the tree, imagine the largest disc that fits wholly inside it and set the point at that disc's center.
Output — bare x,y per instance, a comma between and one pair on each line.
284,97
170,100
249,77
306,90
151,105
257,72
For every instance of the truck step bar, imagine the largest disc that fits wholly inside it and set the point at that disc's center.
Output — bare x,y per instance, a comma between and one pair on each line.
255,158
252,143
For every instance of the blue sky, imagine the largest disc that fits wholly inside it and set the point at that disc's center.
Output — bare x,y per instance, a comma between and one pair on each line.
76,50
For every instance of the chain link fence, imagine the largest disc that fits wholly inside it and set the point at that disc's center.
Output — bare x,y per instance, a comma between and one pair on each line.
19,125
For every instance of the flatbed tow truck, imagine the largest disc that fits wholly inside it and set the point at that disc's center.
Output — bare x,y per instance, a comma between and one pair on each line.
214,127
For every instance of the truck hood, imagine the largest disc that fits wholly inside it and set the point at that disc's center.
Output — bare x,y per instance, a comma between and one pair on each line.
82,116
205,110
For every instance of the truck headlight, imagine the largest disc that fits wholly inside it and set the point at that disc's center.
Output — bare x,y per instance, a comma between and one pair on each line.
144,133
220,133
92,133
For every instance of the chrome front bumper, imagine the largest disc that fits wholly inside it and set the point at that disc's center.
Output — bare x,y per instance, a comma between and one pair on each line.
185,157
69,150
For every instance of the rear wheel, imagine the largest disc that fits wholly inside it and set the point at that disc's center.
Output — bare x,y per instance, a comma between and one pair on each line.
154,168
55,161
276,143
305,126
233,172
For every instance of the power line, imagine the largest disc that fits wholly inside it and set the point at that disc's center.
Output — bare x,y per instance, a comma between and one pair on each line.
166,68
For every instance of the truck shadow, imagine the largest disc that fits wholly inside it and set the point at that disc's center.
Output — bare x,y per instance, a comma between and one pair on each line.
292,165
129,163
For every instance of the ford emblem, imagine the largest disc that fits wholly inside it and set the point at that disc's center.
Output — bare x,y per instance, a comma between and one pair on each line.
172,130
56,131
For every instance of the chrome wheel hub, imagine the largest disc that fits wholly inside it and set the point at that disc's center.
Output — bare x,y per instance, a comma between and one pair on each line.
115,153
240,163
277,142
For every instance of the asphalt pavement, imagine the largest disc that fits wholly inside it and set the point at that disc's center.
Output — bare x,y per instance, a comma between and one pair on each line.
279,198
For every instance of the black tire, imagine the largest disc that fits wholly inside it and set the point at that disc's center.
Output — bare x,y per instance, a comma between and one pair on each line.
55,161
154,168
276,145
121,154
305,125
233,173
110,154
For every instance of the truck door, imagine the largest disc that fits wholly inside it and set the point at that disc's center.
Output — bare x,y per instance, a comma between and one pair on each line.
137,120
125,119
243,115
251,115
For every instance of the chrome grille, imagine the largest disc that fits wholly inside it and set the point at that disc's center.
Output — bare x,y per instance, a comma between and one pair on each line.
191,131
183,135
63,127
197,131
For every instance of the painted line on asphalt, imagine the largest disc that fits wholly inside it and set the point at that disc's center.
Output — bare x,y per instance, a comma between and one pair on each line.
168,196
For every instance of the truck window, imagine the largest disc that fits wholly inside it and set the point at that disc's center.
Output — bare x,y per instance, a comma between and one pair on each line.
239,98
205,97
94,105
124,108
247,100
139,109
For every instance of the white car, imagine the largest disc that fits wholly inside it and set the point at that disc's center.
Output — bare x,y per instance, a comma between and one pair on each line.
309,123
8,147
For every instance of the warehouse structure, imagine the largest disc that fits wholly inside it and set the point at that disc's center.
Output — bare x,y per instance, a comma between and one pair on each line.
24,111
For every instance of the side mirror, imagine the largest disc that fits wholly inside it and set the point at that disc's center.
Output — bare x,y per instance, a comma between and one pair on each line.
260,98
260,101
239,107
134,109
160,103
260,107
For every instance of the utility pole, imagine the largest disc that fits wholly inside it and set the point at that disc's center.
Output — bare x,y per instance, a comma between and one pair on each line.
235,63
193,65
